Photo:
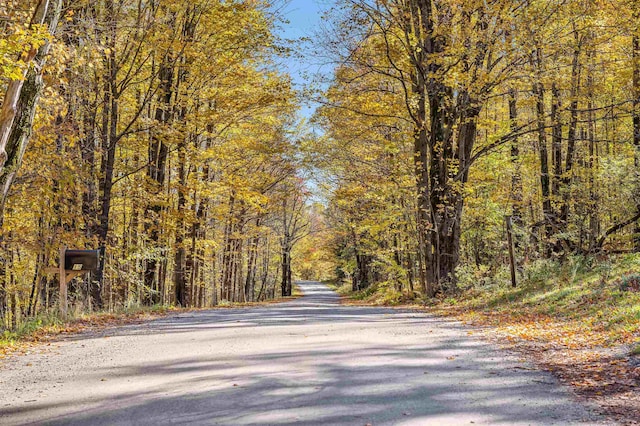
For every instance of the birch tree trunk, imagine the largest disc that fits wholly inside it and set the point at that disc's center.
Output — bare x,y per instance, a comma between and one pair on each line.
20,102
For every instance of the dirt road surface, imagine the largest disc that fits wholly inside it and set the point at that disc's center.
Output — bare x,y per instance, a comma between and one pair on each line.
309,361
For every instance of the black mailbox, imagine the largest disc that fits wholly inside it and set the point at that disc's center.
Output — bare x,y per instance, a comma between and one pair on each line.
81,260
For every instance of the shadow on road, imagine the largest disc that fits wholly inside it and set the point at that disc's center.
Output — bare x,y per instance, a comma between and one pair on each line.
334,377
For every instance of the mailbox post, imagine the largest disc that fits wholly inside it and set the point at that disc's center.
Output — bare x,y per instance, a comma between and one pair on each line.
73,263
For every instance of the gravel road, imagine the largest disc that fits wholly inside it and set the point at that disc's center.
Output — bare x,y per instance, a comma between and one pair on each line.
309,361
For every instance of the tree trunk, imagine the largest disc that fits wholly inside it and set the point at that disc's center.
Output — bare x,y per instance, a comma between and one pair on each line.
227,255
567,178
423,217
193,260
442,152
156,171
636,114
20,102
44,14
516,177
547,212
110,115
252,265
556,141
285,283
179,277
88,155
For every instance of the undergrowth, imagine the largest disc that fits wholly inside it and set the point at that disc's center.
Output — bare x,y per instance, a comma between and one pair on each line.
602,295
590,297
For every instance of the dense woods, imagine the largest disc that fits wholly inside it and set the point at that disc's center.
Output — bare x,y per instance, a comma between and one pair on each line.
164,133
476,160
159,130
444,117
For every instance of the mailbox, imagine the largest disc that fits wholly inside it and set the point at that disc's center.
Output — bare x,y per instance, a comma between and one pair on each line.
81,260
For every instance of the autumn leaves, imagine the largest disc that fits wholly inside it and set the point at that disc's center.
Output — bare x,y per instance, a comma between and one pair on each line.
164,133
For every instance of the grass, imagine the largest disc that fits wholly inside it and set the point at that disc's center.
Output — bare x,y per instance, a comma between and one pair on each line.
46,326
587,296
580,302
29,328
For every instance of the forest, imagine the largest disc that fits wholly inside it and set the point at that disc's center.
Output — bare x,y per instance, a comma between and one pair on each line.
446,120
159,130
167,134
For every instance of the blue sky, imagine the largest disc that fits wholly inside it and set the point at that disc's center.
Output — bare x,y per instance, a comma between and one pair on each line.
305,18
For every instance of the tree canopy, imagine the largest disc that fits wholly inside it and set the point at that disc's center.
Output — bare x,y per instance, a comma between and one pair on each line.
166,133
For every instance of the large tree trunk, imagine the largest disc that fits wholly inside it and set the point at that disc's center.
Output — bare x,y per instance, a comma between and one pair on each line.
420,25
447,197
444,135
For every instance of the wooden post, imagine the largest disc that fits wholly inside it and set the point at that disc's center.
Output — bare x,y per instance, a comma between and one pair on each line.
512,258
63,283
65,277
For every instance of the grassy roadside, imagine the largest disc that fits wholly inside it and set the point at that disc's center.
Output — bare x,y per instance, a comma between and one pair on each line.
580,320
598,303
45,328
